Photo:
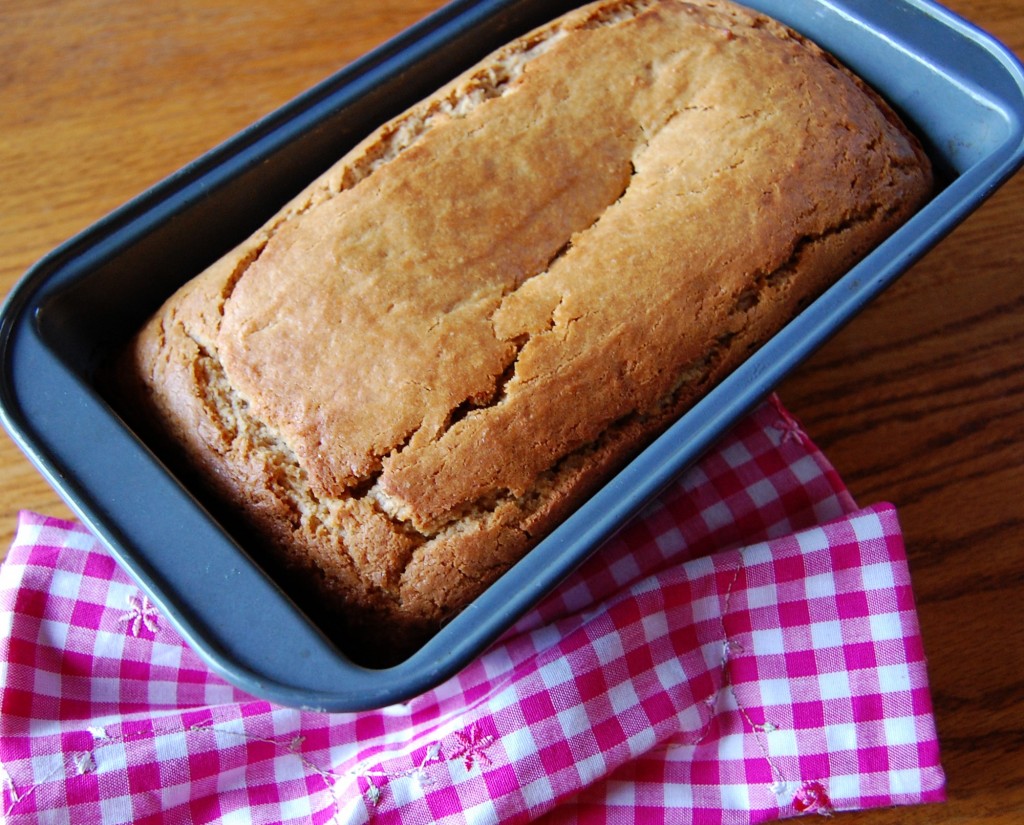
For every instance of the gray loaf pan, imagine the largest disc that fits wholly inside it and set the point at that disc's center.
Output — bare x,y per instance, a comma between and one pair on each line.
959,90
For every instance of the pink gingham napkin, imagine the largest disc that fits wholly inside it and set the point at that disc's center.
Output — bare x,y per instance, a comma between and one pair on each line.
747,650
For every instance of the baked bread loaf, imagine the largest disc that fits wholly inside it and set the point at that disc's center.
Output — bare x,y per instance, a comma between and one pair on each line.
441,346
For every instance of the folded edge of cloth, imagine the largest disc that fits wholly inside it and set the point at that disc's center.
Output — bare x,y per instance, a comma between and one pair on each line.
746,650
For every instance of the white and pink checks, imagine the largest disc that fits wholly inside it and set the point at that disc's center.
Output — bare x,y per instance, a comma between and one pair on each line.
747,650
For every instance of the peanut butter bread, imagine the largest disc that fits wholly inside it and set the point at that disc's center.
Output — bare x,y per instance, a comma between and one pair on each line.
425,360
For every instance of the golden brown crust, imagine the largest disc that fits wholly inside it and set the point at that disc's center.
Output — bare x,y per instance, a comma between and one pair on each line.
436,350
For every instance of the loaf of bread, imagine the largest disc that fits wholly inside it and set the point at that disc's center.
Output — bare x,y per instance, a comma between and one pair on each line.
437,350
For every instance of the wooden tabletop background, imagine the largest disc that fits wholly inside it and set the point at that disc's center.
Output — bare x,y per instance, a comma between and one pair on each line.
919,402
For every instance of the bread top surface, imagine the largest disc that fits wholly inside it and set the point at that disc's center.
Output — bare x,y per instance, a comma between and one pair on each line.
553,244
434,324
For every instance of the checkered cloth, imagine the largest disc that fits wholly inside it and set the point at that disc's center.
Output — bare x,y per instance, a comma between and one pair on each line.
747,650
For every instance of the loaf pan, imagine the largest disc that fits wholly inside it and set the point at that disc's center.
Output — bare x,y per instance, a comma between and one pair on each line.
959,90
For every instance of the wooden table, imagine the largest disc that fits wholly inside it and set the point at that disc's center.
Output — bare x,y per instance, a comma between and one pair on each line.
919,402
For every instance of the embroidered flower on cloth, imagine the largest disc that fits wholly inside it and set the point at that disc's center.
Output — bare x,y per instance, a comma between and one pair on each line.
812,798
141,614
472,747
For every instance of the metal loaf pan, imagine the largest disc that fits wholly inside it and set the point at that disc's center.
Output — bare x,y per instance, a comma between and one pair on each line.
962,92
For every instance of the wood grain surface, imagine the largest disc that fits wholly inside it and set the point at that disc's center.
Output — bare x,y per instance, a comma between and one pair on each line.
919,402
